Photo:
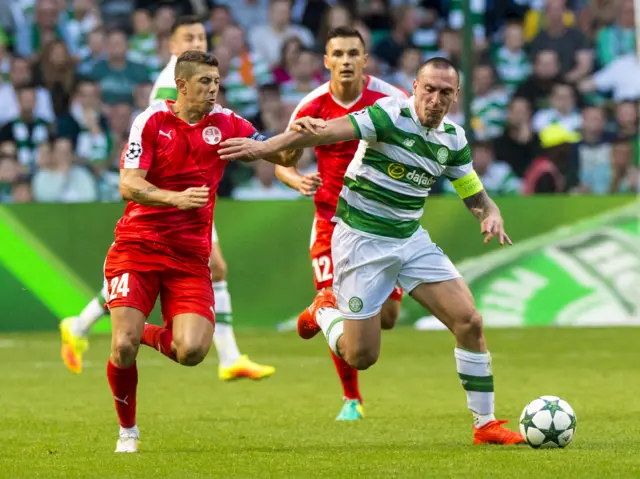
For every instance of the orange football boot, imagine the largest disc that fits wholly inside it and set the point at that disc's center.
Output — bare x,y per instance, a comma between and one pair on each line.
494,433
307,325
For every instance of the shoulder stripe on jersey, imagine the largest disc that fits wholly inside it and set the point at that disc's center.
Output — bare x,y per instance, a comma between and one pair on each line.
318,92
381,86
220,109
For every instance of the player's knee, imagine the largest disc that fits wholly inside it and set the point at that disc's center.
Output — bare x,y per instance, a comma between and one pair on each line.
218,270
191,354
124,349
362,359
469,325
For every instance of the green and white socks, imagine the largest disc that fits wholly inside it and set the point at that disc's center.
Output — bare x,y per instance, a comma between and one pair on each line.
332,325
92,312
224,338
476,377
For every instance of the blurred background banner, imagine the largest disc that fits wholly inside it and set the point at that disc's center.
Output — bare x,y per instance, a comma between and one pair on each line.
575,260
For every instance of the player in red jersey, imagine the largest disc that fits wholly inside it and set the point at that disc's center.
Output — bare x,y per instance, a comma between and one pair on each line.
169,173
349,90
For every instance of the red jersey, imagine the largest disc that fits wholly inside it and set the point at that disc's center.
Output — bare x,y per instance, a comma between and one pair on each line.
177,156
334,159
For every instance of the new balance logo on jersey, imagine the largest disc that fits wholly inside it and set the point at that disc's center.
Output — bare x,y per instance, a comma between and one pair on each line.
408,142
168,135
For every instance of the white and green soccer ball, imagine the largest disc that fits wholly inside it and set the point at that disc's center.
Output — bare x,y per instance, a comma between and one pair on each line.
548,422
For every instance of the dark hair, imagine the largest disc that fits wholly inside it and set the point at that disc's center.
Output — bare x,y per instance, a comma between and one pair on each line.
185,20
269,88
482,144
117,31
439,62
345,32
29,86
189,60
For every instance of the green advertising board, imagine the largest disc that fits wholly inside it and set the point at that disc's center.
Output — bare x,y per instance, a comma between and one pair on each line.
583,274
51,258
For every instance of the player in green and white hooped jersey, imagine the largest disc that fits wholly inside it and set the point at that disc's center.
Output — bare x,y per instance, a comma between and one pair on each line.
188,33
406,144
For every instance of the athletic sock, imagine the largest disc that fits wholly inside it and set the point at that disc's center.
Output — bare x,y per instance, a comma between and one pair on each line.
158,338
224,337
474,370
124,383
348,377
90,315
331,323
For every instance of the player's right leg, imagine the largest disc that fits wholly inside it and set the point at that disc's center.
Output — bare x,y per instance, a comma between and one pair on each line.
131,297
320,248
75,329
433,281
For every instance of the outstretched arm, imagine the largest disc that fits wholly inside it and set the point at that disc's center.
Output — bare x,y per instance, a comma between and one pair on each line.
488,213
334,131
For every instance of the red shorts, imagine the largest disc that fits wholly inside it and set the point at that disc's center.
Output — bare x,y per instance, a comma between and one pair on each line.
321,233
135,275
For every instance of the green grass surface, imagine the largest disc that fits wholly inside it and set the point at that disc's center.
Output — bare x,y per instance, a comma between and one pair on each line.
58,425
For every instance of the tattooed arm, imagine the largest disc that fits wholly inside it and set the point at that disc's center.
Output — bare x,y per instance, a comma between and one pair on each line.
488,213
134,187
481,205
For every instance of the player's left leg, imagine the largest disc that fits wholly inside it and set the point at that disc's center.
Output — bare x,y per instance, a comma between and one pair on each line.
231,364
75,329
434,282
192,335
391,309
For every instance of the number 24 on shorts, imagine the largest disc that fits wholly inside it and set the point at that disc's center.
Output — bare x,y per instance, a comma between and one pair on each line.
119,286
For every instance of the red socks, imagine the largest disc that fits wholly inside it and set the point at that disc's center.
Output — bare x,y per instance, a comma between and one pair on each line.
158,338
124,383
348,378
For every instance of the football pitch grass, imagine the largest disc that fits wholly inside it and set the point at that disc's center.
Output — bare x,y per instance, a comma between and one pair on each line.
59,425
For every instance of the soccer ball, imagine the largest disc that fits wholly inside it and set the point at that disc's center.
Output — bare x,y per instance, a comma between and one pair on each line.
548,422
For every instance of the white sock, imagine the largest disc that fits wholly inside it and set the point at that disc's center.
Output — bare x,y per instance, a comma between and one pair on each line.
332,324
130,432
224,338
474,370
89,316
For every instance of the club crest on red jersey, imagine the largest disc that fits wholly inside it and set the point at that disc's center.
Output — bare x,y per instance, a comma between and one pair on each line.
211,135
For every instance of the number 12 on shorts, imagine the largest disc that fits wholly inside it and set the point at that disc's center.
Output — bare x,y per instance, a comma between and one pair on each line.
119,286
322,268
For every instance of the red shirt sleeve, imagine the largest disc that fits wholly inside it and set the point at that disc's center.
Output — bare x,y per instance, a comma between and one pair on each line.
243,128
140,148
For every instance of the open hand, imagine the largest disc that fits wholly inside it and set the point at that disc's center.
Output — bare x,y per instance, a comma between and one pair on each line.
310,184
493,225
192,198
308,124
244,149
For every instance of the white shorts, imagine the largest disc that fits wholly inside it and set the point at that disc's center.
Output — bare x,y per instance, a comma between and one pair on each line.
367,268
214,234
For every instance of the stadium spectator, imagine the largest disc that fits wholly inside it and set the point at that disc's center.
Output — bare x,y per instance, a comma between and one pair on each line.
303,79
405,22
489,104
266,39
519,144
618,39
28,131
594,152
247,71
410,60
619,78
264,185
117,75
57,73
291,48
58,180
537,88
21,74
562,109
571,45
93,52
219,19
626,176
511,60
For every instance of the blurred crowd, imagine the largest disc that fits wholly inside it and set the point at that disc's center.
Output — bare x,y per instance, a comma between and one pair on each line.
555,85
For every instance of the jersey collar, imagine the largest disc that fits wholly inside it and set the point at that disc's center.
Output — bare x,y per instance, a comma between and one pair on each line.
348,106
414,115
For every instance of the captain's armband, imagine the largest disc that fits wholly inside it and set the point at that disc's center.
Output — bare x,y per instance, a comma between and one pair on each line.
468,185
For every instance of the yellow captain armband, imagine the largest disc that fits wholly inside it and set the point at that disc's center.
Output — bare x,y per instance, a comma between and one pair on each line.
468,185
